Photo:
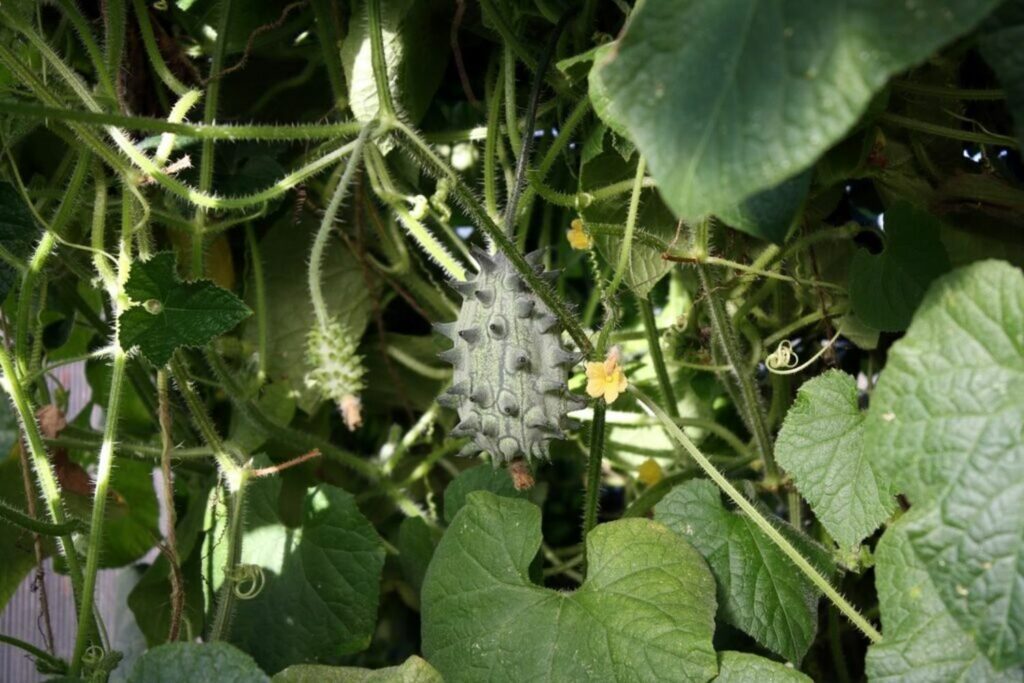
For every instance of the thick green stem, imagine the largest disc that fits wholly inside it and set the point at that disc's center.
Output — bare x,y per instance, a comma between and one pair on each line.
236,529
104,468
206,162
947,132
92,48
114,26
490,148
508,70
156,60
749,399
260,296
230,470
379,61
330,47
657,358
53,663
757,518
594,459
627,238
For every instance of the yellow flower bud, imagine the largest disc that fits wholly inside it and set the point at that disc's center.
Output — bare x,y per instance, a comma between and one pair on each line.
578,237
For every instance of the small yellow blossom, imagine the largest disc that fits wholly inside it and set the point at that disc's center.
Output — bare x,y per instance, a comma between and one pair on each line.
606,378
578,237
650,473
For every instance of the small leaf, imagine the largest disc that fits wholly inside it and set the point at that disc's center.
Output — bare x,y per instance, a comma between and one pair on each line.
645,612
171,314
742,667
413,670
727,99
760,591
923,642
322,578
886,289
945,427
192,662
821,446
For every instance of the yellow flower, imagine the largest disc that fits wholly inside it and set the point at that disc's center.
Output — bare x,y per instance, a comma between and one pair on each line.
606,378
650,473
578,238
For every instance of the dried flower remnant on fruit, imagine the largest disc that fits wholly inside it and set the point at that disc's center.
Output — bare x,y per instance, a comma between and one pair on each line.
650,472
578,237
336,371
511,368
606,378
522,478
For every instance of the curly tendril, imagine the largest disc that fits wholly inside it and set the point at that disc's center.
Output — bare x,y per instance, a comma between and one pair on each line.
93,655
248,580
784,361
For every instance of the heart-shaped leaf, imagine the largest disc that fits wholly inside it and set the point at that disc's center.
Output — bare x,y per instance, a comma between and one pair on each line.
743,667
645,612
413,670
821,447
191,662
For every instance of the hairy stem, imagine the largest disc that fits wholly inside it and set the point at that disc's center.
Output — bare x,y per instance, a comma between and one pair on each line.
379,60
594,459
657,358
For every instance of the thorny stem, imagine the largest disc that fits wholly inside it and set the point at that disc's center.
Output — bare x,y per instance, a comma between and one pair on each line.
316,254
594,459
57,665
260,296
156,60
657,358
751,408
236,528
209,114
330,48
14,516
758,519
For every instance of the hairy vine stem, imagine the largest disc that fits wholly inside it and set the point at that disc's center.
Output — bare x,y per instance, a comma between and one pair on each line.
748,398
763,524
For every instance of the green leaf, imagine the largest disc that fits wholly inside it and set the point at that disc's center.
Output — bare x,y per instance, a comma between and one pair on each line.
742,667
192,662
132,515
759,590
413,670
821,446
923,642
886,289
416,61
480,478
170,313
290,315
18,233
322,578
730,98
770,213
645,612
945,427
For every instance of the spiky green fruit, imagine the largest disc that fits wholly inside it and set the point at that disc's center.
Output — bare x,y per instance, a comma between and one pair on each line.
511,369
336,370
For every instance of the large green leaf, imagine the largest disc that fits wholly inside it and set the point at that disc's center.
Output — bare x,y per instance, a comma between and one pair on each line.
770,213
290,316
645,612
886,289
416,61
192,662
730,98
760,591
322,578
821,446
742,667
923,642
945,428
413,670
170,313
